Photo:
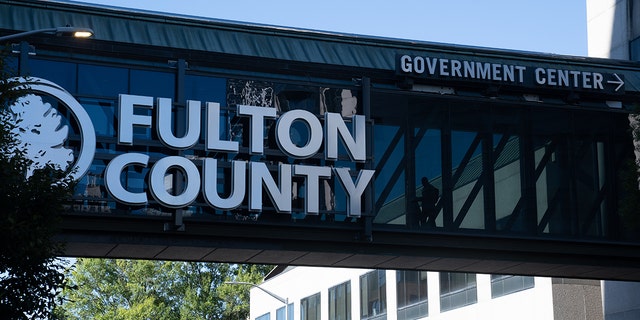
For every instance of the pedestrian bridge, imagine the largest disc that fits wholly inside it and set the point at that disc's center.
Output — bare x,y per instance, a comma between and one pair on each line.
529,157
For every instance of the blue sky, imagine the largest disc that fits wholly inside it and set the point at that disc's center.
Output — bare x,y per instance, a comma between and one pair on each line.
550,26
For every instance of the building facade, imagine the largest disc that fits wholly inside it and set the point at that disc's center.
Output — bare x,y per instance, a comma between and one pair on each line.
342,294
614,32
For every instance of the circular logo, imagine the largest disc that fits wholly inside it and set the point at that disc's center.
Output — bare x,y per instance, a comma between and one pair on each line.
40,131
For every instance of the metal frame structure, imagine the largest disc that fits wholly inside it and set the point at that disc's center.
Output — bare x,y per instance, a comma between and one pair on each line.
576,232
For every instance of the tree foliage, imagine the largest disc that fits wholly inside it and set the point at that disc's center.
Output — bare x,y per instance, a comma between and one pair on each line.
144,289
630,184
30,274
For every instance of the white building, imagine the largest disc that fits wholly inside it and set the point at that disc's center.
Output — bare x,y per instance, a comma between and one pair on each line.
613,31
337,293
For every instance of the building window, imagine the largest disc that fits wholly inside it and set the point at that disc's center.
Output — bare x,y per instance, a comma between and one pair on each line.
412,294
340,302
457,290
373,295
266,316
280,313
310,307
503,285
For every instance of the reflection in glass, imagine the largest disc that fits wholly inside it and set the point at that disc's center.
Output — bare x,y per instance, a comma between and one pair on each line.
468,201
389,182
457,290
428,176
373,295
507,183
412,294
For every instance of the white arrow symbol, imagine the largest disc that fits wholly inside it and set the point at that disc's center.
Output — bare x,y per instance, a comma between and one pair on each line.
619,82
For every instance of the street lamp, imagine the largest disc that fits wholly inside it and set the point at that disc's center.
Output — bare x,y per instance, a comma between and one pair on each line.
275,296
59,31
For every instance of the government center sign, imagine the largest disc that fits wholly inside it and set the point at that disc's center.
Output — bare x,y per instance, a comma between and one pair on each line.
447,68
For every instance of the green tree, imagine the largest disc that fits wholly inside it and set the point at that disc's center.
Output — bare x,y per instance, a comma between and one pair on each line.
30,274
144,289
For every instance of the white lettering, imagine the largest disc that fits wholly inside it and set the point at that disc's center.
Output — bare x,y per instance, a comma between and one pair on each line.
551,77
210,184
354,191
431,64
575,75
127,118
469,69
335,127
113,183
540,76
257,116
508,73
418,65
484,70
521,70
495,74
165,123
586,80
597,81
563,78
455,68
283,135
259,175
212,137
444,67
405,63
312,189
176,182
161,190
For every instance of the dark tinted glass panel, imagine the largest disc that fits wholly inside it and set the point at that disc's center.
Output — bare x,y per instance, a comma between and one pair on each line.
457,290
412,294
61,73
11,65
153,83
428,176
265,316
389,182
280,313
310,307
102,81
340,302
203,89
505,284
373,295
468,202
102,114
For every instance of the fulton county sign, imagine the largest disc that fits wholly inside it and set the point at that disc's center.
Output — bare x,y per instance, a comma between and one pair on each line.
249,180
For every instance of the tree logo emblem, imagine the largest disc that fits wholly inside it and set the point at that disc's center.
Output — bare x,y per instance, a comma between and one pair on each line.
41,131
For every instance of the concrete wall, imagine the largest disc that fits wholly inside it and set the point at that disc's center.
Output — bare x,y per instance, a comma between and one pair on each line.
575,299
609,28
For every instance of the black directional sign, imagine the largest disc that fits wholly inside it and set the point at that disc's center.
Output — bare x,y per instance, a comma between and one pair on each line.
506,73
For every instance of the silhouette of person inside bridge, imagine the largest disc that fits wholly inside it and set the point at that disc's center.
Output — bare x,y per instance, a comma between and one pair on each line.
429,199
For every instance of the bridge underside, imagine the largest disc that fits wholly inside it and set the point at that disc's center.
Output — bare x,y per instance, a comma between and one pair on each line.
144,238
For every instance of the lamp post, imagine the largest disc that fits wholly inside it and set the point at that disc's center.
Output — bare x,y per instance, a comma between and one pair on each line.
60,31
24,49
275,296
